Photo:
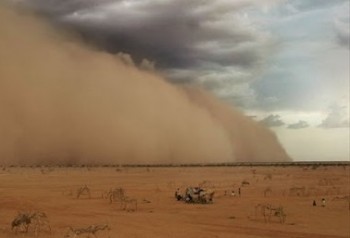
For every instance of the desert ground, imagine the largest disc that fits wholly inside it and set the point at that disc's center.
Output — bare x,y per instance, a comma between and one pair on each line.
53,190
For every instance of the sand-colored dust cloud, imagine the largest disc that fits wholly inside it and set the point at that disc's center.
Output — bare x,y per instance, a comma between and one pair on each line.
63,102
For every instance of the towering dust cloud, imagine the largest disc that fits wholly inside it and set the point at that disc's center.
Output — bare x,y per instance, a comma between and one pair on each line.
63,102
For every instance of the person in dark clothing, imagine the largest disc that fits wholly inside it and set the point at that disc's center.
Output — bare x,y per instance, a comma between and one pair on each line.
178,195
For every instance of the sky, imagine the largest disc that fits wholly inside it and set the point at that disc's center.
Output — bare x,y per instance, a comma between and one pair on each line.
284,63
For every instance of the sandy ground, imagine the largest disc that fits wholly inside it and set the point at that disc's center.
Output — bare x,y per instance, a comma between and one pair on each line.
53,191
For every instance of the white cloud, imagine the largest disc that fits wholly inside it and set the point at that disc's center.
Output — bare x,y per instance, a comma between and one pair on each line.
337,117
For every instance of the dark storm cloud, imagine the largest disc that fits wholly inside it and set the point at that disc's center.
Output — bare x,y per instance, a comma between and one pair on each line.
342,25
63,7
343,38
198,35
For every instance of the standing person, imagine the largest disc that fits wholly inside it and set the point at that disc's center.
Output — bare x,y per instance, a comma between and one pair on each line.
178,196
323,202
239,191
314,203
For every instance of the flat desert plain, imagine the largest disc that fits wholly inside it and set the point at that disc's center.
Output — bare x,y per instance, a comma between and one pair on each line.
53,190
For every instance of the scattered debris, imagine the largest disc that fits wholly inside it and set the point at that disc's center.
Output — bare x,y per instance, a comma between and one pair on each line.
146,201
93,229
245,183
129,204
267,191
345,197
115,194
297,191
126,203
268,211
23,220
85,190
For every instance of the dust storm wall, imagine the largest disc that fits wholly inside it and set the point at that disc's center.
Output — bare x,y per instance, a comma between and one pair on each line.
62,101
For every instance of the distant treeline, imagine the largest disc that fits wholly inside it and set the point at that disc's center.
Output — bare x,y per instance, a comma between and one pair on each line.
231,164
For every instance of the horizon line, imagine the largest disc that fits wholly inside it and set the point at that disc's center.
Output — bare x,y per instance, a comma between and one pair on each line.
221,164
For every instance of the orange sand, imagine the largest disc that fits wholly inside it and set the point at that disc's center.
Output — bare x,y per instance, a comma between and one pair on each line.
47,190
